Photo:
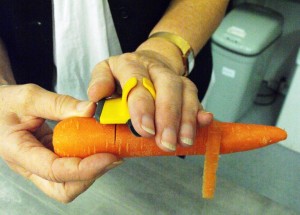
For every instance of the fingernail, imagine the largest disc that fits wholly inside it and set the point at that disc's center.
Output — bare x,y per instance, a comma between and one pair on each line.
187,134
113,165
148,124
169,139
82,106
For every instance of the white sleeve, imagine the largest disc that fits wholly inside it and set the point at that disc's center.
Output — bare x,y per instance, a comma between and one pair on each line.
84,35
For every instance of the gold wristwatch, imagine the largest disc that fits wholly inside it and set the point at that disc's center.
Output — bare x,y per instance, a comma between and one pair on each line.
186,50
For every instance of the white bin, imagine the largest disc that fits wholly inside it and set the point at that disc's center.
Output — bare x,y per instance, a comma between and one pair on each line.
241,49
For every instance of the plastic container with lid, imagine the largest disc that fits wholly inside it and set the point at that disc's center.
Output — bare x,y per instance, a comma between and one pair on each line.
249,29
241,49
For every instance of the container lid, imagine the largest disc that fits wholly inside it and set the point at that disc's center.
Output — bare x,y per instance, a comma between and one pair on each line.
248,29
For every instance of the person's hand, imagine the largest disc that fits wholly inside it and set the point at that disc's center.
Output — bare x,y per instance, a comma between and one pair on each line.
176,112
26,141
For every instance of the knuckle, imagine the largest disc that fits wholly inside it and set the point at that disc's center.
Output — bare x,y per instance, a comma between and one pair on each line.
171,79
121,61
99,66
28,90
27,94
128,57
191,112
59,103
65,198
51,176
190,85
96,68
141,100
128,63
173,111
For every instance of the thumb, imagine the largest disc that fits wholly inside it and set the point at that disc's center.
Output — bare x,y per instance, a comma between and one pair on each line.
102,83
36,101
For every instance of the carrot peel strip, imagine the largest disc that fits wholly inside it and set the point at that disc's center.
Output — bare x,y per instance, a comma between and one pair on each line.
212,154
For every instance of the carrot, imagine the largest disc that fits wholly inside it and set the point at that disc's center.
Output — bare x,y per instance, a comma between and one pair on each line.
211,162
81,137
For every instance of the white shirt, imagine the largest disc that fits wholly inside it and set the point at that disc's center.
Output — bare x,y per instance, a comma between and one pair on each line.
84,35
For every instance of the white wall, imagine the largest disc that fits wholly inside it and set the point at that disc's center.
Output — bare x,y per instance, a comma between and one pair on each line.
283,64
289,117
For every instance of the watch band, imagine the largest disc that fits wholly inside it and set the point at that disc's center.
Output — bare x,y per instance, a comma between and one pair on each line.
186,50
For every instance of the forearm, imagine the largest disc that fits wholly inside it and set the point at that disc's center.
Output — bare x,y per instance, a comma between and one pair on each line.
6,74
193,20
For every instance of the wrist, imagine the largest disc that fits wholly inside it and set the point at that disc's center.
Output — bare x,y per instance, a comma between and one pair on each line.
185,48
171,54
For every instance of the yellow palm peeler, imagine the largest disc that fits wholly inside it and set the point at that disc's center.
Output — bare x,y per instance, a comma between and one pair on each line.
115,110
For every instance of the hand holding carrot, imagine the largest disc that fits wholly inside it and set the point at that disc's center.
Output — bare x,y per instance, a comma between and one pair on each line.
26,141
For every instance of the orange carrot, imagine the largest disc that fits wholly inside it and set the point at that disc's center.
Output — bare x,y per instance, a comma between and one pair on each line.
81,137
211,162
